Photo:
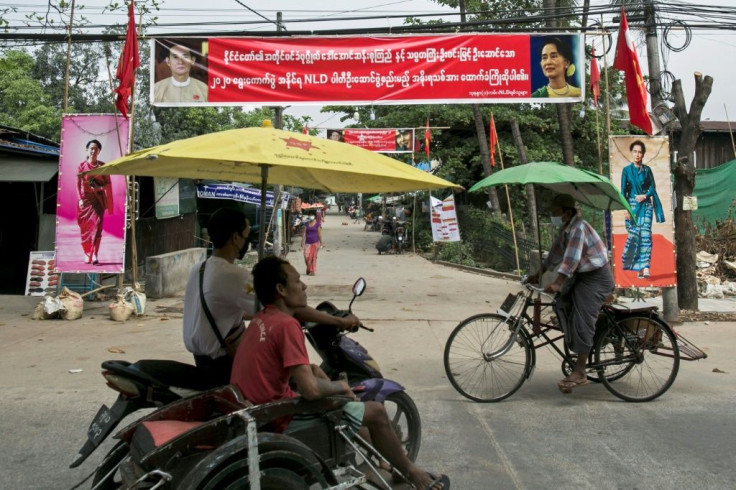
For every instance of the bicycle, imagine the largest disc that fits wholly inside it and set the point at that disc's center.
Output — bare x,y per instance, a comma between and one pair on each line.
636,354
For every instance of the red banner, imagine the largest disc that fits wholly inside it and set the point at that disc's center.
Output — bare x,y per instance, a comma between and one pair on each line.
380,140
363,70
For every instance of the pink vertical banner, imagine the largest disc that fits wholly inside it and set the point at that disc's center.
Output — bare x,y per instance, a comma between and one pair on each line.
91,210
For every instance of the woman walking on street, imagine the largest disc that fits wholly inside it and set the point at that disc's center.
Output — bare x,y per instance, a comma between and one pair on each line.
311,242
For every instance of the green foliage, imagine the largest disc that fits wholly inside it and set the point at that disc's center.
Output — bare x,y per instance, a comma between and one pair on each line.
456,252
23,102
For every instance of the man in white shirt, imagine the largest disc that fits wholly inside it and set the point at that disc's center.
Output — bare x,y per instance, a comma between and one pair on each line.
229,295
180,87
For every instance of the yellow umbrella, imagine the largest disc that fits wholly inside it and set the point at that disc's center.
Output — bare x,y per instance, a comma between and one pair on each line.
273,156
293,159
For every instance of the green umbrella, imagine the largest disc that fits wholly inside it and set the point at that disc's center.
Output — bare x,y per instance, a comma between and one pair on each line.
586,187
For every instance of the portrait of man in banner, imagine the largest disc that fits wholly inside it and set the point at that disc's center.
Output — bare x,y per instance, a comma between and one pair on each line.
643,244
180,73
555,72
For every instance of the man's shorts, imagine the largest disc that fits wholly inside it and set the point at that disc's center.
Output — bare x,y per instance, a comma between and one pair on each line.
352,416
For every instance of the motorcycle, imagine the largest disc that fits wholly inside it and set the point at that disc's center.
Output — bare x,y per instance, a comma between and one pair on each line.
400,235
164,383
344,358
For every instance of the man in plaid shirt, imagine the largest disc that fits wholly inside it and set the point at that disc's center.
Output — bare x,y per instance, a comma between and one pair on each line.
584,281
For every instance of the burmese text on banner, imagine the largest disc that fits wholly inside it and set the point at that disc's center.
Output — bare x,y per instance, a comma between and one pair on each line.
445,227
363,70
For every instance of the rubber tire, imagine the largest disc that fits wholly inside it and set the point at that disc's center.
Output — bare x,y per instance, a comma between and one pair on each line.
469,373
649,376
406,422
118,453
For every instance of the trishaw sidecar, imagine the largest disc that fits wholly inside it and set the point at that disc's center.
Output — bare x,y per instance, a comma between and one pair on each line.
217,440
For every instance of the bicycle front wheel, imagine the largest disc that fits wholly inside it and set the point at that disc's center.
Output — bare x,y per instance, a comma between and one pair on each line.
472,363
637,358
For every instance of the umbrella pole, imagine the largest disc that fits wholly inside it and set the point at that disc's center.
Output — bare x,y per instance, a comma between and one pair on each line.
262,219
511,214
539,233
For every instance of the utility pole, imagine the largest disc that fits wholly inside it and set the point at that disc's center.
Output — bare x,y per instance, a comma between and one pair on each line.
277,218
670,306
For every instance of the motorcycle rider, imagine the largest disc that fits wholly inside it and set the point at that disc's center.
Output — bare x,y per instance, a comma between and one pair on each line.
273,351
228,293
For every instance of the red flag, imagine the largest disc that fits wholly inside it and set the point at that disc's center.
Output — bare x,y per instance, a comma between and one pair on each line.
636,92
493,142
427,139
127,65
595,78
305,130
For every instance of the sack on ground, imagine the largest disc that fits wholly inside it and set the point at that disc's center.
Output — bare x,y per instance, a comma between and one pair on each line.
137,299
73,304
121,310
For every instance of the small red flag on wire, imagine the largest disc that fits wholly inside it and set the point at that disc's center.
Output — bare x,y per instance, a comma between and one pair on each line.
595,78
127,65
493,141
636,92
427,139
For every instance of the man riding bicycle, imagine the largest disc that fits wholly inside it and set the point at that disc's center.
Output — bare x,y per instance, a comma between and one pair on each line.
583,282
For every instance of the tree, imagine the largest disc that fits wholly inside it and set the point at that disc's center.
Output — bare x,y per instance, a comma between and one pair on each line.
685,232
23,102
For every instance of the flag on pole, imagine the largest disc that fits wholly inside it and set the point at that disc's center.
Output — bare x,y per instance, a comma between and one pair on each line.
493,142
595,78
427,139
636,92
127,65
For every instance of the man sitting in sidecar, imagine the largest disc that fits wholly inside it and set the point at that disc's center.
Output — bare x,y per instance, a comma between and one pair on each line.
273,351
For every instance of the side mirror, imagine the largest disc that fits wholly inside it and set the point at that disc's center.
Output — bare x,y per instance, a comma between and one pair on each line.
359,287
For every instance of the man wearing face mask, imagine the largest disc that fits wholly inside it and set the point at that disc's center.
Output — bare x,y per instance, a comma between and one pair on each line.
219,296
583,280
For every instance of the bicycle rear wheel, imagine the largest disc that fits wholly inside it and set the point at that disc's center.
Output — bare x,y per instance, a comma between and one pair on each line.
637,358
470,369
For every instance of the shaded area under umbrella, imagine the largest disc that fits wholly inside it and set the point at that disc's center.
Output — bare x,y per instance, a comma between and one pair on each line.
273,156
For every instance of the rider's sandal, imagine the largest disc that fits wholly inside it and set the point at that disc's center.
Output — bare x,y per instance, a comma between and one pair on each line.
566,386
442,479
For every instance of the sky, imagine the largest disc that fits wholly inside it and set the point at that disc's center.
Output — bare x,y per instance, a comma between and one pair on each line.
709,51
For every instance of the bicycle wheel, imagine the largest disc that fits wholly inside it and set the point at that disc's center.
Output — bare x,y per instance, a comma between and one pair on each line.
637,358
470,369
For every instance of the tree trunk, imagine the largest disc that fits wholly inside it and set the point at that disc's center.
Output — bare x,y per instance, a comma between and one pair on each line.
563,110
564,113
685,232
485,156
531,201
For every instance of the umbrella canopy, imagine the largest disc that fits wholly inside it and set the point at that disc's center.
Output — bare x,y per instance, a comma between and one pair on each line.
586,187
292,159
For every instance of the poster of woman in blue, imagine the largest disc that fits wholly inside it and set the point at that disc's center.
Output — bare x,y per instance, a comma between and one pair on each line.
643,244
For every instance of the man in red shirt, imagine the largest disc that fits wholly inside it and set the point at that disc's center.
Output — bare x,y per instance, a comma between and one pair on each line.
273,351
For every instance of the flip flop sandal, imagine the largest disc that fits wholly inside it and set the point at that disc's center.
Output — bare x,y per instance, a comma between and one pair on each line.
443,479
566,386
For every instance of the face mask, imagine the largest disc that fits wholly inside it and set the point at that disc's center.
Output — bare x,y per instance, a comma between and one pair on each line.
312,218
244,249
557,221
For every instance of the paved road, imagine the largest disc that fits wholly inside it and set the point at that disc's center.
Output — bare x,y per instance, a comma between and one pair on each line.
536,439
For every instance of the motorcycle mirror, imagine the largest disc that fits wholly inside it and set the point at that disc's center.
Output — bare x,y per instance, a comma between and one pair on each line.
359,287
